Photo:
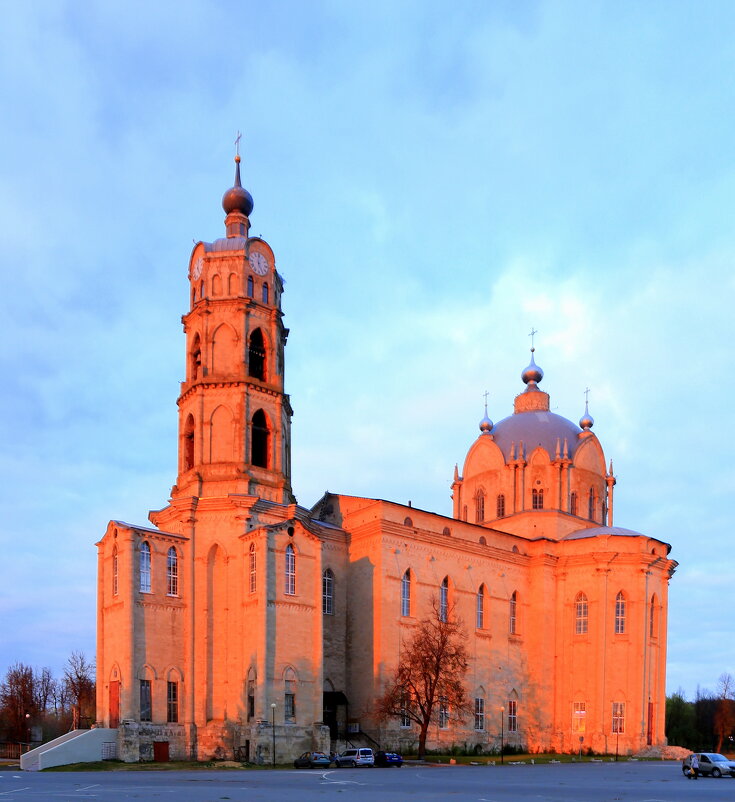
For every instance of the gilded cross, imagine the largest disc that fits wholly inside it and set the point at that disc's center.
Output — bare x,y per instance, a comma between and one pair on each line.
533,331
237,143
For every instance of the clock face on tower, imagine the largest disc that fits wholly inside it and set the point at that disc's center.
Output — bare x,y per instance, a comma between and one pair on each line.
258,263
197,271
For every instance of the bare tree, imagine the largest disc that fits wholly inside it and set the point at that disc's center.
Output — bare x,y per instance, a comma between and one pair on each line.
724,718
429,679
80,687
18,700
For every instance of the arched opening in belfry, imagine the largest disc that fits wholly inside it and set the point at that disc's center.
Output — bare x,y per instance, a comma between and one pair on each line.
260,437
256,355
195,359
189,443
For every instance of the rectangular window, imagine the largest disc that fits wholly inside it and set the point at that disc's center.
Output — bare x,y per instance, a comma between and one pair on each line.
172,573
172,701
512,716
501,506
406,594
405,719
289,706
620,614
290,576
328,593
443,713
513,621
251,699
479,713
145,568
480,608
537,499
618,718
146,709
579,717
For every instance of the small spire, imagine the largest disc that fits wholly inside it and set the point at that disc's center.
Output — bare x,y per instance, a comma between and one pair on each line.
533,374
558,447
486,424
456,472
586,422
237,199
566,449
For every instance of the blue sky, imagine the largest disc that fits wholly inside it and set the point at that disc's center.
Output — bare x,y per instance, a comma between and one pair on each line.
434,181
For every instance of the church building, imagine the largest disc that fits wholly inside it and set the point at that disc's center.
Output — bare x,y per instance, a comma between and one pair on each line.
240,624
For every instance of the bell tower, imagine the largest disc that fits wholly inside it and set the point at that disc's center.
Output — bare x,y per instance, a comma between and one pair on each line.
234,416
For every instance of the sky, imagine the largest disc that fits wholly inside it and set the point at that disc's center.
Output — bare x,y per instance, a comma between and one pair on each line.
435,180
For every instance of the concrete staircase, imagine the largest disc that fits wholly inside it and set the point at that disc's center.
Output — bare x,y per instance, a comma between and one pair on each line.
77,746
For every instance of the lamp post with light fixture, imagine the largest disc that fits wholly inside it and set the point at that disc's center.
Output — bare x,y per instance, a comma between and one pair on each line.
502,732
273,726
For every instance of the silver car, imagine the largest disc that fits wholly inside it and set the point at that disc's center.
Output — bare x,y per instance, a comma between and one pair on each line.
711,763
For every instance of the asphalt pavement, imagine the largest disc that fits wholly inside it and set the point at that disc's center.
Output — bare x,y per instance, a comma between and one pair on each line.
660,781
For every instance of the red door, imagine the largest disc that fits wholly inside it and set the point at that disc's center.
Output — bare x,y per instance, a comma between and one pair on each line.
160,751
114,703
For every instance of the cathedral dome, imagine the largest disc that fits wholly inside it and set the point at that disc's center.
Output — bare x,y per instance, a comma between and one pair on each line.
237,199
536,428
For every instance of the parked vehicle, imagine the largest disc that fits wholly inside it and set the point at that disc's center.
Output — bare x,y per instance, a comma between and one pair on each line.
355,757
312,760
710,763
388,759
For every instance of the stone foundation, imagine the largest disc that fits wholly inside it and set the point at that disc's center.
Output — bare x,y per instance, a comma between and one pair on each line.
219,740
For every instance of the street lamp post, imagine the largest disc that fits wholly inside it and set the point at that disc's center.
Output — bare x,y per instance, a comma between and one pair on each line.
502,732
28,732
273,727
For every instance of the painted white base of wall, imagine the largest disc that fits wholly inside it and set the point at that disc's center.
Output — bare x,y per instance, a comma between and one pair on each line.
77,746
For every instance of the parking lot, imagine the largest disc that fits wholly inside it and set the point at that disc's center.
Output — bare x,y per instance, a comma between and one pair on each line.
586,782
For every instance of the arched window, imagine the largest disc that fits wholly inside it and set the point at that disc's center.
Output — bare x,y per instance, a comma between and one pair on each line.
216,284
253,568
260,437
512,715
201,289
652,617
256,355
480,506
145,567
480,608
189,443
232,284
290,573
172,572
537,499
328,592
406,593
581,611
114,571
251,287
195,359
513,614
573,503
500,507
444,599
407,521
620,613
265,292
591,505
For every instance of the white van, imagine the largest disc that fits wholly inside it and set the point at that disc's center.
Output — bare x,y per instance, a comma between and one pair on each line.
355,757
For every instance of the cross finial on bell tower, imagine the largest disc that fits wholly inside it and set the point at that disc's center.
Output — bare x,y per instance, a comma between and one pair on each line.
531,335
237,143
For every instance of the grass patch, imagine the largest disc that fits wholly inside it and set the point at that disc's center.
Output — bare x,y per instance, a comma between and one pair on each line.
172,765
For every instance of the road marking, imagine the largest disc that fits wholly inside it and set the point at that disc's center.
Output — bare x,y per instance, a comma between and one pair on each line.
15,791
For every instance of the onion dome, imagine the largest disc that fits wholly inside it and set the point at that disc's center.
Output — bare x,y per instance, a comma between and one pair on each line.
586,422
486,424
533,374
237,199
